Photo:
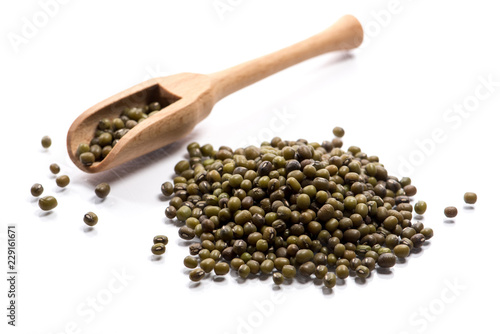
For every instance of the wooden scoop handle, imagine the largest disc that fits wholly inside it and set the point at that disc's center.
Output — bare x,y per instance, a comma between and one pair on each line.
344,34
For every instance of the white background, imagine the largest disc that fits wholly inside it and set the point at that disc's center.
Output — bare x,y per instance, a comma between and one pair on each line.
416,63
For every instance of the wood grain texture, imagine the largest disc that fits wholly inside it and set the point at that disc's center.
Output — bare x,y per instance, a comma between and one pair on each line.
192,97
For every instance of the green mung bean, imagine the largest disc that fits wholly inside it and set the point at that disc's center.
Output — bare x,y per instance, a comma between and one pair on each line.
46,141
342,271
190,262
450,211
386,260
289,271
362,271
167,188
278,278
401,251
244,271
207,265
338,132
196,275
420,207
160,239
62,181
87,158
158,249
427,232
47,203
54,168
330,280
470,198
221,268
90,218
102,190
36,189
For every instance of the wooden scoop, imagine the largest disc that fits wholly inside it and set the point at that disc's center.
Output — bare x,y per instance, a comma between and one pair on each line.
190,97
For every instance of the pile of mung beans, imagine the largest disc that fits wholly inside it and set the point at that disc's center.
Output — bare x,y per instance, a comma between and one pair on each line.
291,208
110,131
